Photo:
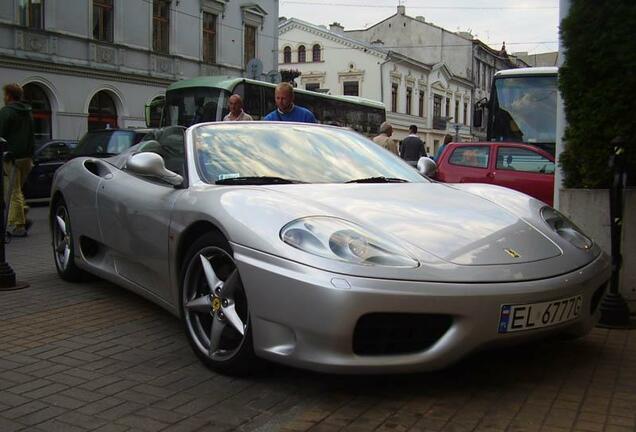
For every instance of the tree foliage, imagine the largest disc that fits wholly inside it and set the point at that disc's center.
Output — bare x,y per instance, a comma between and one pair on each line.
598,85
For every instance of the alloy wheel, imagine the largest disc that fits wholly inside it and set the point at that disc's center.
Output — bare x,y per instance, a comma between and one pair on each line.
214,304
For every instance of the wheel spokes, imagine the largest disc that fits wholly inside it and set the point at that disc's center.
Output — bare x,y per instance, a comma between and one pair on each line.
229,286
61,224
201,304
216,329
67,255
233,318
210,276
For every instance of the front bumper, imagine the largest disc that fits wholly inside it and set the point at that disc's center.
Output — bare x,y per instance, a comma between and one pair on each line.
305,317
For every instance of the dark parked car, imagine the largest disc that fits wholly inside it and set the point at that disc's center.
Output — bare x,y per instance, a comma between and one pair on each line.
47,158
95,143
110,142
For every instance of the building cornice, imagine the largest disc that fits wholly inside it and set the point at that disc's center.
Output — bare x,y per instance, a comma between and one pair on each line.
34,65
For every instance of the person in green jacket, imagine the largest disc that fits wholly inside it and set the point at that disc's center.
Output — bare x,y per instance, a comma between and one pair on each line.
16,126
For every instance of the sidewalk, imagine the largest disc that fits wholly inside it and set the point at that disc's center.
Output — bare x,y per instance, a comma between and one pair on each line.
91,356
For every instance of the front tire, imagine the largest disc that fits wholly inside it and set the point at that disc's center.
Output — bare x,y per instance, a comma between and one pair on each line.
63,247
215,308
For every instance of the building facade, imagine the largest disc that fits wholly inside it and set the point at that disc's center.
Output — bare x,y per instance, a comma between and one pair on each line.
88,64
414,92
451,54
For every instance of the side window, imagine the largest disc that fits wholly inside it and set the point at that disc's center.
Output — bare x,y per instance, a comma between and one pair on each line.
53,151
518,159
471,156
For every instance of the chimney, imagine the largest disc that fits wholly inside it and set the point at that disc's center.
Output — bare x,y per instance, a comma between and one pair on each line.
336,27
420,18
377,43
282,19
401,10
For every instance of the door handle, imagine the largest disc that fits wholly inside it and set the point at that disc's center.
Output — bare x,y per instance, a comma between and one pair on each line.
490,175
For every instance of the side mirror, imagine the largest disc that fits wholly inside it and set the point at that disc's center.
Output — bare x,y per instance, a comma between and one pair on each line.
426,166
478,117
152,165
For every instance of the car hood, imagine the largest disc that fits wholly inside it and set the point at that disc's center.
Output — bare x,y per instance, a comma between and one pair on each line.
452,225
455,234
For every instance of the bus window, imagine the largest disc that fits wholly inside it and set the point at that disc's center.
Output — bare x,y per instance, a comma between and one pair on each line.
252,99
186,107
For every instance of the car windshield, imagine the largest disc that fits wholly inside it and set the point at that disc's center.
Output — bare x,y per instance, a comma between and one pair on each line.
294,153
524,109
101,143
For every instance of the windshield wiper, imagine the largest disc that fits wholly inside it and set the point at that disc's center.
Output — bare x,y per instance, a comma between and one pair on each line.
256,180
378,180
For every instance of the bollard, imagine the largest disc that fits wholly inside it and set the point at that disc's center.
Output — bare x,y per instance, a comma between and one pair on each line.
614,309
7,275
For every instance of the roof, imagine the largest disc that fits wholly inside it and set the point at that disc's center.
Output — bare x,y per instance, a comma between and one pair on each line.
229,84
326,32
546,70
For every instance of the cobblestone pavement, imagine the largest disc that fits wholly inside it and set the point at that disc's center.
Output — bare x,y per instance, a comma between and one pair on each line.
91,356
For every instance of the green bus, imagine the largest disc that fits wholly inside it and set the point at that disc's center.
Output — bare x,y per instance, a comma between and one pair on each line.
204,99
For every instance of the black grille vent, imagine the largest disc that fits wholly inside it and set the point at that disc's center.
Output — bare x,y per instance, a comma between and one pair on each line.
398,333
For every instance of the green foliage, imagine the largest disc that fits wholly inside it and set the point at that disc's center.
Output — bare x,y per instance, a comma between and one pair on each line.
598,85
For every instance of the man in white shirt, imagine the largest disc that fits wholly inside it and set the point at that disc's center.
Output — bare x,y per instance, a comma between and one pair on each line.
235,105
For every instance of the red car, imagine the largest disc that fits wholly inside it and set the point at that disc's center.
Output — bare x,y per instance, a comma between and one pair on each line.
522,167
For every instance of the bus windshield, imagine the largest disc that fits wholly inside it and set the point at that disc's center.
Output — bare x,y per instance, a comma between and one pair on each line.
524,110
188,106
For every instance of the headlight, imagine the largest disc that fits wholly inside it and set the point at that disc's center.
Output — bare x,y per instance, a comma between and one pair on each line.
566,229
343,241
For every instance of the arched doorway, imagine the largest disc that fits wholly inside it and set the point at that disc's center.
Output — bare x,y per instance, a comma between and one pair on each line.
102,112
35,96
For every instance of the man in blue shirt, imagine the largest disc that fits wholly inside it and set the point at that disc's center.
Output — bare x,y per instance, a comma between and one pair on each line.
285,108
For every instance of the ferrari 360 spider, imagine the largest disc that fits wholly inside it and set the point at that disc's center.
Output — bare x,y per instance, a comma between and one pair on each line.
312,246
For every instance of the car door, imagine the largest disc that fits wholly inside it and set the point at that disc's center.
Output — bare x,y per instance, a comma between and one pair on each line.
526,170
134,215
46,160
467,164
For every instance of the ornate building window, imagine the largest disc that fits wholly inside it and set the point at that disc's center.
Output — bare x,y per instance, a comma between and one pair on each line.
103,20
315,53
209,37
302,55
351,88
160,25
249,50
31,13
421,104
287,55
409,99
394,97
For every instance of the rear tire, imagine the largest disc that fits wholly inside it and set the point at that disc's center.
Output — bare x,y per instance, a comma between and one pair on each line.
223,305
62,242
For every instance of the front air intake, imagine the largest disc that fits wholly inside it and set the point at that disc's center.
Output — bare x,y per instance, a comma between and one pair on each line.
398,333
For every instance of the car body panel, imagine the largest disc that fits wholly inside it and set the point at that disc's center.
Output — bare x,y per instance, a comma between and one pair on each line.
305,307
536,184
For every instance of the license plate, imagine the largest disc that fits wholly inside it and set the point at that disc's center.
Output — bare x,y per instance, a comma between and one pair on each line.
514,318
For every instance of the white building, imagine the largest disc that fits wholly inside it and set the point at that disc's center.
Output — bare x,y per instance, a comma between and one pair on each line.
92,63
413,92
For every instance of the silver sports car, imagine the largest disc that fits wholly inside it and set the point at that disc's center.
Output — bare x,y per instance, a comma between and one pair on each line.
312,246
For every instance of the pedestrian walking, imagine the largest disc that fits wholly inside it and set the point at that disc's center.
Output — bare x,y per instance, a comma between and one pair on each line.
447,139
16,126
412,148
235,105
286,110
384,139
